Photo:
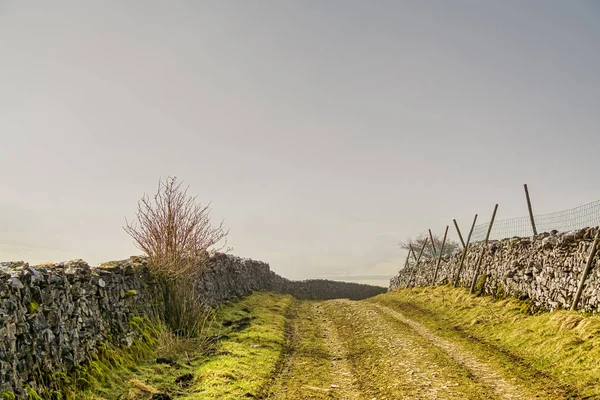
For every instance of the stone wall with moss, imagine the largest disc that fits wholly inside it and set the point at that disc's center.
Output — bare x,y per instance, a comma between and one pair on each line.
227,276
54,317
545,269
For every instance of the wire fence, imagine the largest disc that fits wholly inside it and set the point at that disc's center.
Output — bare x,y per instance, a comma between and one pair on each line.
587,215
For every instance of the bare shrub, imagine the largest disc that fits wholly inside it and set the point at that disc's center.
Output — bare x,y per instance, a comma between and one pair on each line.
174,230
450,247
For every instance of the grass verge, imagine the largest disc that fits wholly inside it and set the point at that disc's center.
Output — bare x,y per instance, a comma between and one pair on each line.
560,347
247,356
235,357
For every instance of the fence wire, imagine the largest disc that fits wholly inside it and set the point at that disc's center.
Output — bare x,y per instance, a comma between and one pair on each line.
587,215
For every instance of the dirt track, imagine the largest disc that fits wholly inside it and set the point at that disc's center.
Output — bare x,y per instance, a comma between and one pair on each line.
343,349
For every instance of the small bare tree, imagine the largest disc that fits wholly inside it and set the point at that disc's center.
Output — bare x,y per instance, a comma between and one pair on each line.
450,247
174,230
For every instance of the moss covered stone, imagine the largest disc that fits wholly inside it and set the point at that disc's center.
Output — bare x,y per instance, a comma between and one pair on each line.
32,307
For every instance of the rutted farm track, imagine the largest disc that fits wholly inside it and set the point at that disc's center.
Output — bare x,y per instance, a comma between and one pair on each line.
437,343
343,349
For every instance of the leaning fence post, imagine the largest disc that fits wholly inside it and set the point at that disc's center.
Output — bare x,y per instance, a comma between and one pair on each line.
459,234
413,251
530,211
464,256
432,244
437,267
407,257
483,248
586,271
417,263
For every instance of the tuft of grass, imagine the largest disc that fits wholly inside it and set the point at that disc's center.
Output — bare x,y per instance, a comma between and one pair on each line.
141,386
184,312
32,394
563,345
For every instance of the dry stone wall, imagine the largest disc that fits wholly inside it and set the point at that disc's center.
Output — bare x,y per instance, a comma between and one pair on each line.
323,289
546,269
53,317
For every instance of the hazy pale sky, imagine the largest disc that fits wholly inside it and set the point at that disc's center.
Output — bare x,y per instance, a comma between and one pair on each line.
323,132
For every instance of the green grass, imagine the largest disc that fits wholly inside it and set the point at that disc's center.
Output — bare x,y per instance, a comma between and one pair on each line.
562,345
246,360
235,357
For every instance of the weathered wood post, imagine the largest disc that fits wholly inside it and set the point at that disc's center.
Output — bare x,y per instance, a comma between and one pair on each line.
412,251
417,263
586,271
464,255
459,234
432,244
406,262
439,261
483,249
530,211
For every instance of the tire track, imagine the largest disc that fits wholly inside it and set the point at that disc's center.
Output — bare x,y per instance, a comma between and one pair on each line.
482,372
342,374
314,365
391,361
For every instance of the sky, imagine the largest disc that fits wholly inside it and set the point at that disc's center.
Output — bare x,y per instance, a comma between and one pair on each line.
322,132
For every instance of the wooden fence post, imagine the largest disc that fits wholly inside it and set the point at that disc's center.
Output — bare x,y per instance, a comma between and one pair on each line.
417,263
459,234
406,262
437,267
483,249
530,211
413,251
586,271
464,256
432,244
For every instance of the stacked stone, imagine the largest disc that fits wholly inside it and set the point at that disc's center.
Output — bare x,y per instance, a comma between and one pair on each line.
226,277
545,269
53,317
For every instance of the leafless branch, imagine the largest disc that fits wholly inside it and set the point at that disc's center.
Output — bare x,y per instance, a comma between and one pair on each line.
174,230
